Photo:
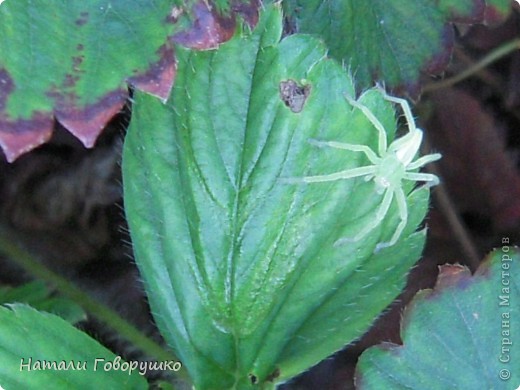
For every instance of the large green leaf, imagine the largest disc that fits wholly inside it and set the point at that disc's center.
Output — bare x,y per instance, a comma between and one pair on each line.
31,343
73,59
239,263
462,335
390,40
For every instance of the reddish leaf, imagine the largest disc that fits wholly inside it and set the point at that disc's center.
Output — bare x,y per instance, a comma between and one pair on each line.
80,77
210,28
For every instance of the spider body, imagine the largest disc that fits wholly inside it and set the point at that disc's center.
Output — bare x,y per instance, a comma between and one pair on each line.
388,168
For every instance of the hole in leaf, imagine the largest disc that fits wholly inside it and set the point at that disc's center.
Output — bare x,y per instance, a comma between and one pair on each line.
294,95
253,378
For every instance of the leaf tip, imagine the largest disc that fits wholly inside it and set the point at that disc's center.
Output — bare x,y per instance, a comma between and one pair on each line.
158,79
87,123
20,137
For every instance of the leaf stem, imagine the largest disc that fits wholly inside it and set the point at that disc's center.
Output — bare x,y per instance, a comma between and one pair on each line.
22,257
493,56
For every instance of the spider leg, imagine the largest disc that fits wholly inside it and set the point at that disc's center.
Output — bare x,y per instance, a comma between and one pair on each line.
420,162
345,146
403,215
430,178
380,215
346,174
375,122
404,106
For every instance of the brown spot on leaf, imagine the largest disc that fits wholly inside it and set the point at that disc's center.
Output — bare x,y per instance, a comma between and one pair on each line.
294,95
272,376
82,20
158,78
70,80
76,63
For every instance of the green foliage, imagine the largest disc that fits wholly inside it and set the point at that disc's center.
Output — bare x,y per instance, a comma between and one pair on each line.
37,295
31,337
239,265
390,40
74,44
458,336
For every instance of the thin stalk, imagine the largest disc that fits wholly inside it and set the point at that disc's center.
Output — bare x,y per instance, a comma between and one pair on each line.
457,226
493,56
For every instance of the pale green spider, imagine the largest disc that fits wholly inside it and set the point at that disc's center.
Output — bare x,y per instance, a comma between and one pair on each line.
390,166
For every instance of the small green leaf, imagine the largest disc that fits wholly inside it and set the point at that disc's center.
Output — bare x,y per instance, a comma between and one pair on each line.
461,335
239,262
37,295
28,293
63,307
31,340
